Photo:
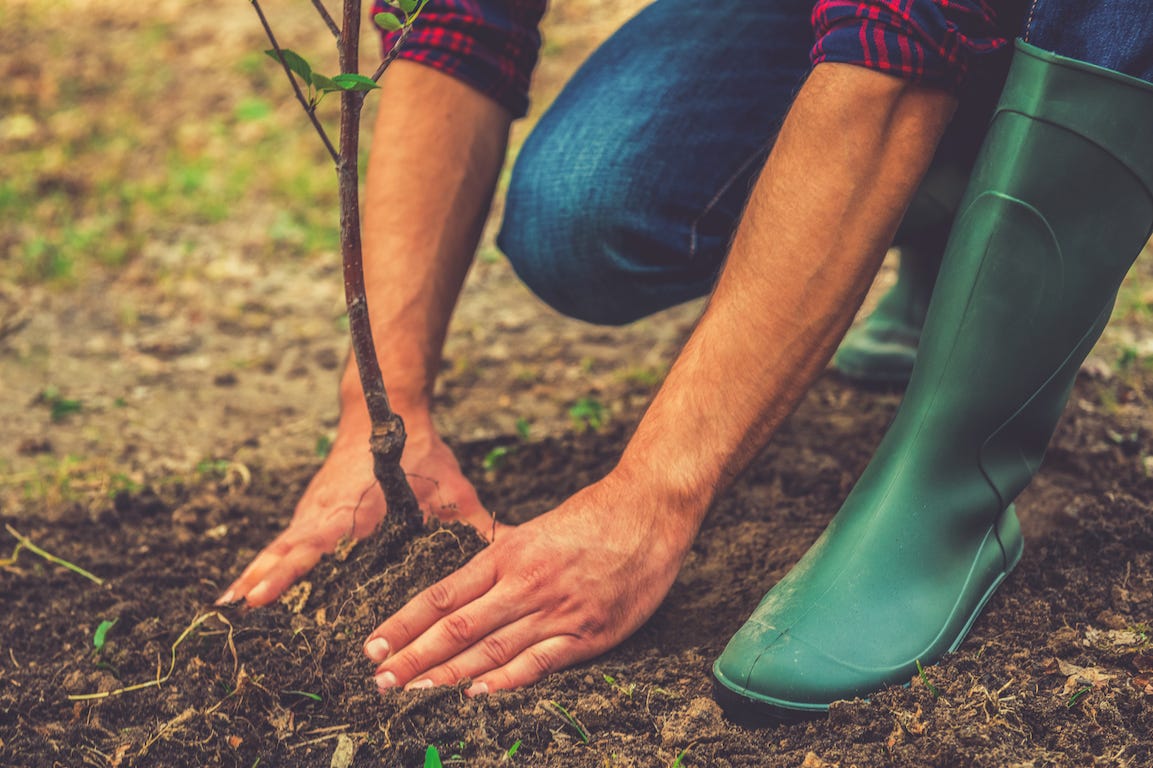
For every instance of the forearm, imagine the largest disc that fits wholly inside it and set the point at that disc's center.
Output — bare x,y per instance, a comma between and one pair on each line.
819,220
437,151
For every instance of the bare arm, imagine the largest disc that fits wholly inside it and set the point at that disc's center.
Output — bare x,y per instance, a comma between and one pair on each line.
581,578
437,151
813,236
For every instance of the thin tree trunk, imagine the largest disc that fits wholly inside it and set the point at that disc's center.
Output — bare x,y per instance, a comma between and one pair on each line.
388,436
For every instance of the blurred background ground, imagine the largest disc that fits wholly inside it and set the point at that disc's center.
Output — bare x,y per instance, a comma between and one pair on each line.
170,296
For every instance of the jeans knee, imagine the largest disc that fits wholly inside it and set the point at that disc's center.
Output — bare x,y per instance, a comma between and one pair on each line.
558,234
593,243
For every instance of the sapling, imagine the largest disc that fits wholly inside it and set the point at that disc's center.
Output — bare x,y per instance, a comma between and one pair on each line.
388,436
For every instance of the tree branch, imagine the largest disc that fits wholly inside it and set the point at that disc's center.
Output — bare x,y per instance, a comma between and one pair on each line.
388,59
308,108
335,30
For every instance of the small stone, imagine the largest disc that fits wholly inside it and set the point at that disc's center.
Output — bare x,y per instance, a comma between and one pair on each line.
344,753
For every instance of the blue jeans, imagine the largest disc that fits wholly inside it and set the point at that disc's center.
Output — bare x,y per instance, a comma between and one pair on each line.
1115,34
626,196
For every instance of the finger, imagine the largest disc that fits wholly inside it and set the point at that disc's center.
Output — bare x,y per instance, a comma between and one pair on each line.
474,579
487,654
280,564
453,635
533,663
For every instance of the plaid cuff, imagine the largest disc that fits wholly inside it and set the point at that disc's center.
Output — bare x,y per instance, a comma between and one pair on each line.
930,42
490,44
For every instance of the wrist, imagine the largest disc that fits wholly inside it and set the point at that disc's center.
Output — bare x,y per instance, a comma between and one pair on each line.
672,509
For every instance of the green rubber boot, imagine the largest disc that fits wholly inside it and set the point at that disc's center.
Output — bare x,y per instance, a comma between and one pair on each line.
1060,204
881,349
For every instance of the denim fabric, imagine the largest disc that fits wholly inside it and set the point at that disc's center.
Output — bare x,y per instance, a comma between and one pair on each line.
1115,34
626,194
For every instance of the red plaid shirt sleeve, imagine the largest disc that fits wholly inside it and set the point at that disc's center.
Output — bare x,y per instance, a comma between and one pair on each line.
490,44
930,42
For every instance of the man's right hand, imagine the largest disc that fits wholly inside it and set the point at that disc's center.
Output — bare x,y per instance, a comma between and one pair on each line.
344,501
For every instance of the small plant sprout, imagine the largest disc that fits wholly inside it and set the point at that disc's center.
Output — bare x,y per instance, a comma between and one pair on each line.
523,427
432,758
100,636
680,758
511,752
494,459
59,406
587,413
581,732
161,679
627,690
23,542
925,679
304,695
1072,702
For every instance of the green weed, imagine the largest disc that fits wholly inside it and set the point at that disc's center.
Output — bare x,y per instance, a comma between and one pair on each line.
925,679
59,406
495,458
587,413
1072,702
628,690
100,636
581,732
304,695
23,542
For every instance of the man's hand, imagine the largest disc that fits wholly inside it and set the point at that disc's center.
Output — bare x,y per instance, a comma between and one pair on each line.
557,590
344,500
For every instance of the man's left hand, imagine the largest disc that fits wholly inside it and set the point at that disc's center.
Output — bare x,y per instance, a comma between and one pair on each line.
562,588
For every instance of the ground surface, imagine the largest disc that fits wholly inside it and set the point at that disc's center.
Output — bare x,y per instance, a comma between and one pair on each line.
170,334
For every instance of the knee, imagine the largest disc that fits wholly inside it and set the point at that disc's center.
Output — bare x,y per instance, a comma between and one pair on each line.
590,240
562,230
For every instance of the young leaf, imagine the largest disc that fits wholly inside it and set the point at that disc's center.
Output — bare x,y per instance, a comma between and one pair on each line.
408,6
305,694
324,84
387,22
350,82
294,61
432,758
101,634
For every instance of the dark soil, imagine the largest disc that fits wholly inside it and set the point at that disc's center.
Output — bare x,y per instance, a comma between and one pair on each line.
1056,673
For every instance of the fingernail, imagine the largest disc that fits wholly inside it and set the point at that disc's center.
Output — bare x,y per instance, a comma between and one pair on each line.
256,595
377,649
419,685
385,680
226,598
477,689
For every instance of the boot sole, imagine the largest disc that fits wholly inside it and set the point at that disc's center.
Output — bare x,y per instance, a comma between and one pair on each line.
753,710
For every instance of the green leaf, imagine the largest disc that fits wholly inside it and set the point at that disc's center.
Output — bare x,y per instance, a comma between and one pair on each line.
324,84
408,6
514,749
495,458
294,61
101,633
351,82
432,758
387,22
305,694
